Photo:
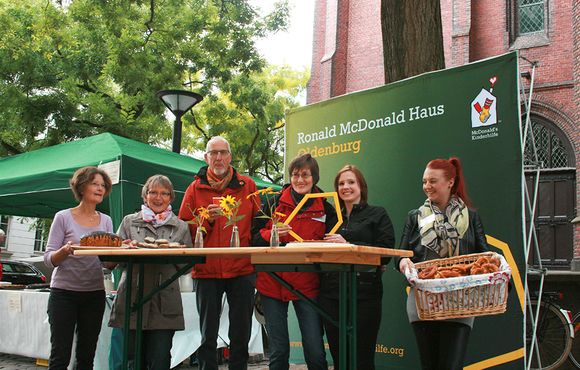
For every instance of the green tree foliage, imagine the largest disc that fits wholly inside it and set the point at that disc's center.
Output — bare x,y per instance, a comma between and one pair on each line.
68,72
249,111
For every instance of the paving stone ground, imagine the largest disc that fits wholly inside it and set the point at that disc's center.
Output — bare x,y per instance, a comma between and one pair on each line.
13,362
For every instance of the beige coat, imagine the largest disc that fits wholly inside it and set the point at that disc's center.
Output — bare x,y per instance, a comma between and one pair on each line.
164,310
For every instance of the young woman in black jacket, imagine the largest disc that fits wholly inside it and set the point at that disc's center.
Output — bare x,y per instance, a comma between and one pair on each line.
363,224
443,226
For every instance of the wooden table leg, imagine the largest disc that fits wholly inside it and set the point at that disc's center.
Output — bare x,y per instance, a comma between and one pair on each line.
343,321
127,318
139,322
352,319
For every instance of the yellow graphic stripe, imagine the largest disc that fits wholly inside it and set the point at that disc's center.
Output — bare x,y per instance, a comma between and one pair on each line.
518,353
494,361
333,195
513,265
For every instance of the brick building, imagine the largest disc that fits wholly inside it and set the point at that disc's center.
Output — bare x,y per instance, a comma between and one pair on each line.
347,57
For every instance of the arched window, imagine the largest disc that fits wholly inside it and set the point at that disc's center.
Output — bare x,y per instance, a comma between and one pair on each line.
552,146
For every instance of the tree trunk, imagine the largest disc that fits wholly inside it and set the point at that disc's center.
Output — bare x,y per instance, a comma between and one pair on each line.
412,38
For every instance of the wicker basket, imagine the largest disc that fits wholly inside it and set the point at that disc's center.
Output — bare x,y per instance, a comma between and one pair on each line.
466,296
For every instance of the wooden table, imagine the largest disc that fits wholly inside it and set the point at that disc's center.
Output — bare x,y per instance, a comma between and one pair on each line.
345,259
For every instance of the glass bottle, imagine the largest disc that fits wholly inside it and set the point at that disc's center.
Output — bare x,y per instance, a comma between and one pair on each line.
198,242
274,237
235,239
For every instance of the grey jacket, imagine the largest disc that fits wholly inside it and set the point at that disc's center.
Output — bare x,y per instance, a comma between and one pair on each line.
164,310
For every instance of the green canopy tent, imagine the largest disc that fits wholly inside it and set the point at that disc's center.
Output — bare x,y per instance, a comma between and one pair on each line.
36,184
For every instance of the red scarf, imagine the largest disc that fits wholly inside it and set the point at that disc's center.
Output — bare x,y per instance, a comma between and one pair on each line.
217,183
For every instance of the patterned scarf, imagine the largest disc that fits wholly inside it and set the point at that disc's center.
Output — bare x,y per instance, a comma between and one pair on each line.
441,232
156,219
219,184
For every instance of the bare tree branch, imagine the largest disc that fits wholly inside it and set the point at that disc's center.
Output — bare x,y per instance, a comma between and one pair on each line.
149,23
86,122
198,127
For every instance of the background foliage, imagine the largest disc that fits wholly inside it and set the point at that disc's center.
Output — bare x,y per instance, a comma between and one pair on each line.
72,70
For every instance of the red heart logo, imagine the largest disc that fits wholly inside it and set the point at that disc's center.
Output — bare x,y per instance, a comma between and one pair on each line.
492,80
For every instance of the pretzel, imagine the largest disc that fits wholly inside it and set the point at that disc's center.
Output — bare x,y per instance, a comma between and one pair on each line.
490,267
447,273
468,267
462,270
428,273
481,260
483,265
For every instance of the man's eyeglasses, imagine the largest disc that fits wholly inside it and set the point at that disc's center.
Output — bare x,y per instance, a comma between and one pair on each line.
155,194
305,176
214,153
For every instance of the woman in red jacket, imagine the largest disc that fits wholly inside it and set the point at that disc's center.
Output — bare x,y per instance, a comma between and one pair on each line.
311,223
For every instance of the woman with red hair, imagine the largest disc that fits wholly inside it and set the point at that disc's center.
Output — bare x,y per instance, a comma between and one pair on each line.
444,226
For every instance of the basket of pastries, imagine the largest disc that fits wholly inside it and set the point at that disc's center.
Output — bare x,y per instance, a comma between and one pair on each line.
461,286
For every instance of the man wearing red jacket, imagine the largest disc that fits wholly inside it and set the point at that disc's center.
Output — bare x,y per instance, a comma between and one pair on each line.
233,276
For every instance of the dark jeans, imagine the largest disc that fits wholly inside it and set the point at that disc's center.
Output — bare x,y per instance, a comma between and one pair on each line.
442,345
276,315
239,292
368,321
155,349
68,310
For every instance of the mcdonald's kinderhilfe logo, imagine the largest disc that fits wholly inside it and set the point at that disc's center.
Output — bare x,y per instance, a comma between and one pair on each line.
483,107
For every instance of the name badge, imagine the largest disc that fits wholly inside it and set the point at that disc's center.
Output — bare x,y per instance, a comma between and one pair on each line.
427,220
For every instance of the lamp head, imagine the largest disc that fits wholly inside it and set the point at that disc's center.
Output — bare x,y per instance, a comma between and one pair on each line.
179,101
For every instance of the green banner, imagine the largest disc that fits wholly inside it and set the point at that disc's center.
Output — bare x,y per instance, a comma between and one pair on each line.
390,133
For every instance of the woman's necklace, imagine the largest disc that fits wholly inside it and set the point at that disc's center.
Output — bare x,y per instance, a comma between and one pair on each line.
89,218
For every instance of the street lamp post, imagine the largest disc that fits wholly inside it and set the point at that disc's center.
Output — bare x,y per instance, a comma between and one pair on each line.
178,102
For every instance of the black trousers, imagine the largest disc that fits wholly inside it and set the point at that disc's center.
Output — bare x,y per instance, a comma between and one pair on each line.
67,311
239,292
368,321
442,345
155,349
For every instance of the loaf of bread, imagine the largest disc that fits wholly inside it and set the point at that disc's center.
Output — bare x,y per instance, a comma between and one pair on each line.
101,239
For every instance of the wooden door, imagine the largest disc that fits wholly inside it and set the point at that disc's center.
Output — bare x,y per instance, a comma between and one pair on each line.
554,211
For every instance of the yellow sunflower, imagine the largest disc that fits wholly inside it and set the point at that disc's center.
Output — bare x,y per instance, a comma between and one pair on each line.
203,212
228,203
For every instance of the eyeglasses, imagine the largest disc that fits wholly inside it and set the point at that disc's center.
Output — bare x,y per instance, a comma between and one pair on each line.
99,185
155,194
214,153
304,176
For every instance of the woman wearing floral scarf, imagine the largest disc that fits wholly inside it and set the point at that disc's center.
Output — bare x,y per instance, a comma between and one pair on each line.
444,226
163,314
